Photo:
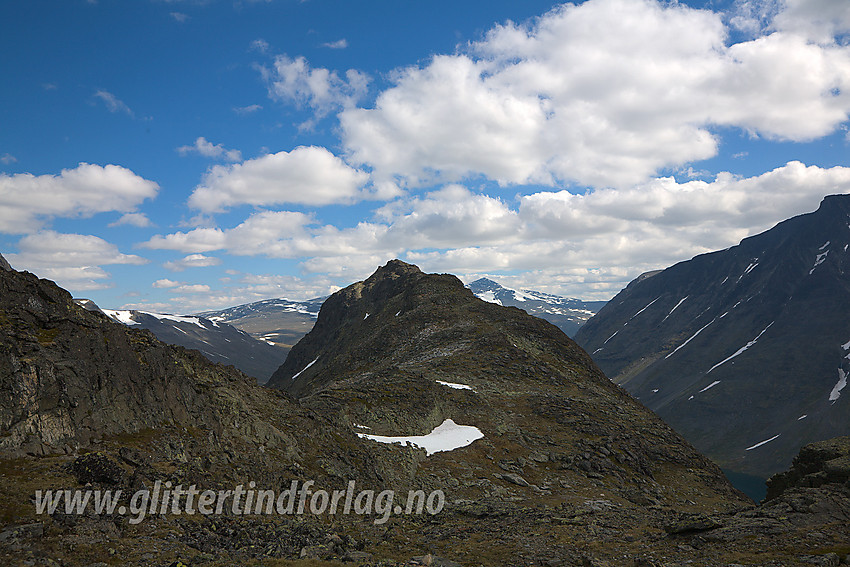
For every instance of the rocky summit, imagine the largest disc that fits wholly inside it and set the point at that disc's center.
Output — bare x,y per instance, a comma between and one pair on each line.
744,351
539,459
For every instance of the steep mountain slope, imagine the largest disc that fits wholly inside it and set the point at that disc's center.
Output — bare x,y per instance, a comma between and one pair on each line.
281,321
219,342
566,313
744,351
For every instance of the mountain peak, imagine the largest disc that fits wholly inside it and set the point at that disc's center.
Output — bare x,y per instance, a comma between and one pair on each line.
4,265
831,201
394,269
485,281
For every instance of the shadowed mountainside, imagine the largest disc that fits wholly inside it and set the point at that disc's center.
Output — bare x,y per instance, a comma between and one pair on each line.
744,351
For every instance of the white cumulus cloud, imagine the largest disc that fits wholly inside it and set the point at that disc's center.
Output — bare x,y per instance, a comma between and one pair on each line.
307,175
113,103
134,219
261,233
165,283
604,93
208,149
295,81
72,260
192,261
27,201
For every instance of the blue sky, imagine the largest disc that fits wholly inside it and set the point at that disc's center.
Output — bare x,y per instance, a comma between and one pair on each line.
180,155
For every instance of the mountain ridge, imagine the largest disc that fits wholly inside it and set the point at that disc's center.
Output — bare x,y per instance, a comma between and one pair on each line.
218,341
697,341
566,313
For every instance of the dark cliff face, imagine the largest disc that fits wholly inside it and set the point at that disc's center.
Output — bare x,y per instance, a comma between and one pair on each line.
743,345
403,351
75,376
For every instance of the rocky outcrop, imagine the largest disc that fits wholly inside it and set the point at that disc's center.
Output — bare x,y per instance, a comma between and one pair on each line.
75,376
817,464
4,265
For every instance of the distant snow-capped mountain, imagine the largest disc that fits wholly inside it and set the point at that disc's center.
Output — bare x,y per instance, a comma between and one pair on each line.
217,340
281,321
566,313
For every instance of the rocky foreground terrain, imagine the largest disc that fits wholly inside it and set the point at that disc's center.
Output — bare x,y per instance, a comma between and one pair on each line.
569,469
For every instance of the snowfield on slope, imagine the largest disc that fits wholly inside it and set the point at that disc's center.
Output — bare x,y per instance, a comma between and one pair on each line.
455,385
447,436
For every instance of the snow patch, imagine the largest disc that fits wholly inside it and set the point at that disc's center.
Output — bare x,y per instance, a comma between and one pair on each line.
690,339
455,385
740,350
757,445
447,436
824,246
804,416
611,337
305,368
709,387
178,318
842,382
819,260
644,309
520,296
125,317
366,317
489,297
677,305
